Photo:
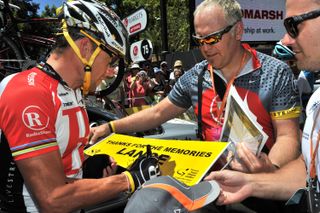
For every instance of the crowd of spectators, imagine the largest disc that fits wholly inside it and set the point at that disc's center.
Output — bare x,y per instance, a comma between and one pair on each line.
143,83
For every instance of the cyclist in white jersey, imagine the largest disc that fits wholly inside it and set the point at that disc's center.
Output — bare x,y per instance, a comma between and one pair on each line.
44,124
303,173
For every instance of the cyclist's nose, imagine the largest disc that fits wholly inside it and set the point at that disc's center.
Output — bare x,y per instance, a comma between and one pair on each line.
205,47
287,40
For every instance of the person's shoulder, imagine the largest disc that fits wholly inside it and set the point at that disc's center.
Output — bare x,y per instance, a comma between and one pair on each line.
28,88
267,60
28,82
197,68
263,57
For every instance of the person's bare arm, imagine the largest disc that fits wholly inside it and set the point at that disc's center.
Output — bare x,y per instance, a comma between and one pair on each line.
287,145
53,192
283,183
149,118
140,121
279,185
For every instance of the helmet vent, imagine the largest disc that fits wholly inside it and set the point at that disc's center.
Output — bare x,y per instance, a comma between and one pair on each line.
113,30
88,13
75,14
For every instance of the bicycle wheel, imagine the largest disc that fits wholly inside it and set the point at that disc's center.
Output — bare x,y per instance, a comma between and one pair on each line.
10,57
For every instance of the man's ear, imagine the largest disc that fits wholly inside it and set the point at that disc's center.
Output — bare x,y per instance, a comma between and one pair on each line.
85,47
239,30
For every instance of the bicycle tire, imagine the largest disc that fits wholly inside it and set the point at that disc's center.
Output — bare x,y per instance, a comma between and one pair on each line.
11,58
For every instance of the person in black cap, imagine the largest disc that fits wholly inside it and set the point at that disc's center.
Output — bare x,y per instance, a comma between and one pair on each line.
147,66
165,70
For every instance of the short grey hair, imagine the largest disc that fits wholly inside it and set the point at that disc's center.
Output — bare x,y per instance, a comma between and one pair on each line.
231,9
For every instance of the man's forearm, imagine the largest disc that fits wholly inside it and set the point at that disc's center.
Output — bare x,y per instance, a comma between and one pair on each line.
148,118
281,184
284,150
287,144
84,192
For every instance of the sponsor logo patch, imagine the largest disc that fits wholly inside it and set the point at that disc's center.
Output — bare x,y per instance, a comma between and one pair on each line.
34,118
31,77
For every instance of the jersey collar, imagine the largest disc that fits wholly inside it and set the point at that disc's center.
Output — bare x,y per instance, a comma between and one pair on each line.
249,67
255,60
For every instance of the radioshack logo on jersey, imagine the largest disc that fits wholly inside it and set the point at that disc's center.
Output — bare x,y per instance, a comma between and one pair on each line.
34,118
31,77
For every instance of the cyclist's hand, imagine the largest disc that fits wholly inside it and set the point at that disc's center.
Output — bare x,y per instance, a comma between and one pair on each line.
143,169
98,166
97,132
111,169
248,162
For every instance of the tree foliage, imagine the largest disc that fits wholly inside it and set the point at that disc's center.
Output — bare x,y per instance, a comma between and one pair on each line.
178,25
177,20
29,9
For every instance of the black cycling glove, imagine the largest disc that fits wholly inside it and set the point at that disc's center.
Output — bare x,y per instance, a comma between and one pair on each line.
94,165
143,169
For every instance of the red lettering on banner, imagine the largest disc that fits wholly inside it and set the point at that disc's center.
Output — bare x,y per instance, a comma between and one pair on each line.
262,14
135,28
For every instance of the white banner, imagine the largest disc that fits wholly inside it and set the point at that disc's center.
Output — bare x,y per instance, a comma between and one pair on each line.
263,19
141,50
136,22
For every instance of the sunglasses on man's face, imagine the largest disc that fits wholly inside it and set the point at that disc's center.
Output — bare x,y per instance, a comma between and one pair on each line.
114,57
291,23
212,38
106,50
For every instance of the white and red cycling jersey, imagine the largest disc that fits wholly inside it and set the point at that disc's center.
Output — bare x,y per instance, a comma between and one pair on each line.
38,115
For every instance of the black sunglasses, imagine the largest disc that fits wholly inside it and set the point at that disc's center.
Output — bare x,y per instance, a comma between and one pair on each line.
291,23
212,38
114,57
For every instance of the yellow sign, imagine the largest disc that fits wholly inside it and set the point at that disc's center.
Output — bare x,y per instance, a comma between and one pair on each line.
136,109
187,161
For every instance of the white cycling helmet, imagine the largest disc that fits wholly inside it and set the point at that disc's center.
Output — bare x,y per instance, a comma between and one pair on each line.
95,17
101,25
